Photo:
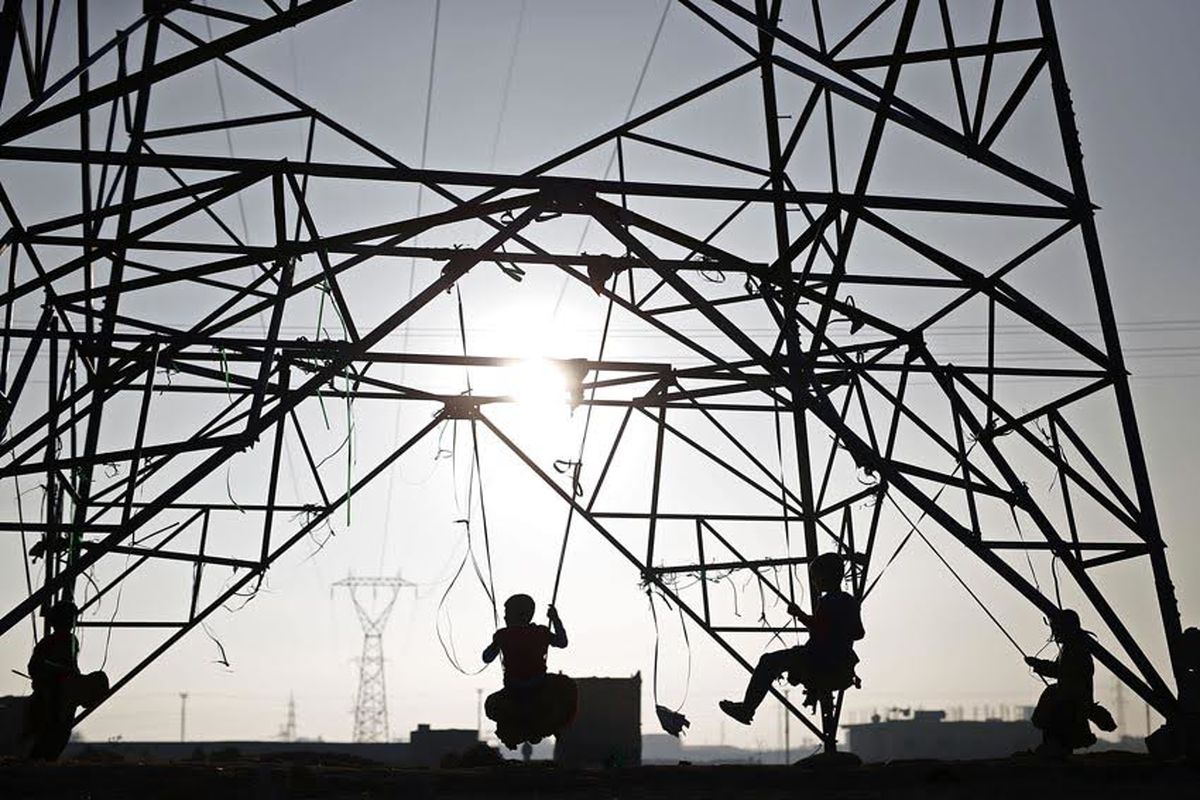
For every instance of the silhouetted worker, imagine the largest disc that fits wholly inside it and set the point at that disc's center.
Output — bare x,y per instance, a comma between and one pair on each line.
54,669
1065,706
530,705
826,661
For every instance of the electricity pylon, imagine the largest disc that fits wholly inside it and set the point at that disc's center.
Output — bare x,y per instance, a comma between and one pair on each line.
288,732
370,703
807,277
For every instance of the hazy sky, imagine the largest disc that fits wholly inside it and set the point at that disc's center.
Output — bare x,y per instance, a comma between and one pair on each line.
1131,68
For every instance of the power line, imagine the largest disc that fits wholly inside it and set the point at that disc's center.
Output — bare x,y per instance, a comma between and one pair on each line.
412,274
637,89
507,85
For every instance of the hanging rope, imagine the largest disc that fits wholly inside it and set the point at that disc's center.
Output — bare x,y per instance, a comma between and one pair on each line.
913,526
672,721
999,625
578,465
915,529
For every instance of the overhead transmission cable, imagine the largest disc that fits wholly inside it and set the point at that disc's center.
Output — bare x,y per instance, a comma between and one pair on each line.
437,17
507,85
228,134
637,89
241,205
505,92
412,275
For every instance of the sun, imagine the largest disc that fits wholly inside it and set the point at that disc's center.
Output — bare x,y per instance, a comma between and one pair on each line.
538,387
542,370
538,383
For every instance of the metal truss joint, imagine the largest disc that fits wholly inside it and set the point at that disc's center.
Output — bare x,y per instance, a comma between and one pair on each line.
463,406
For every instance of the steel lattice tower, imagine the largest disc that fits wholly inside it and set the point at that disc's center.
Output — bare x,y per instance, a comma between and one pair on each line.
804,279
288,732
370,702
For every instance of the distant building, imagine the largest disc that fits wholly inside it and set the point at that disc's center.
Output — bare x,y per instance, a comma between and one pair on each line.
427,747
608,728
926,734
662,748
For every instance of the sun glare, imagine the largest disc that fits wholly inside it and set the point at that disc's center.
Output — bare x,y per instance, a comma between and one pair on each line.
539,383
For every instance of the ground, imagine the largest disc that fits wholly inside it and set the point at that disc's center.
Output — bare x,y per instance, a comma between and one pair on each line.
1095,777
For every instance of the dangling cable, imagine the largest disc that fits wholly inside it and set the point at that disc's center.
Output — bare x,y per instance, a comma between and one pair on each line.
1012,509
476,474
487,542
787,529
446,641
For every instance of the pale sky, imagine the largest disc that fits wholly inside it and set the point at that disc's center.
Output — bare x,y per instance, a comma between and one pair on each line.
1131,69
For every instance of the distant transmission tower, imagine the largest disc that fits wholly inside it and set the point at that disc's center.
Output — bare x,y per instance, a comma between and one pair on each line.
370,705
288,732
